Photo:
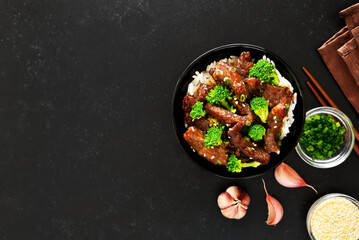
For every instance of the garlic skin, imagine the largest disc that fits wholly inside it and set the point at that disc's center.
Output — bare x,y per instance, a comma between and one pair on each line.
275,209
233,202
288,177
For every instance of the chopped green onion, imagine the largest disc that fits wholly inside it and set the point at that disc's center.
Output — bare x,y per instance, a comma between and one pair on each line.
242,98
322,136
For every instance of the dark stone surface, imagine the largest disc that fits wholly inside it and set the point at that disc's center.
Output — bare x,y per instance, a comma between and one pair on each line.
86,140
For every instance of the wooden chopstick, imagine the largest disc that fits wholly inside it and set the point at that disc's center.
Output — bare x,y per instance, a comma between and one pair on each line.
321,90
330,101
319,98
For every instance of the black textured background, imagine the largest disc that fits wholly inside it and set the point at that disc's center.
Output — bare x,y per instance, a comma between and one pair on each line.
87,149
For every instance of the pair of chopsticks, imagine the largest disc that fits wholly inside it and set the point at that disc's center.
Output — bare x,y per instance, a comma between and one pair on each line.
329,100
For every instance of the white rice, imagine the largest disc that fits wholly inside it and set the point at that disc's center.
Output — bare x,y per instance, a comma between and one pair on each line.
205,77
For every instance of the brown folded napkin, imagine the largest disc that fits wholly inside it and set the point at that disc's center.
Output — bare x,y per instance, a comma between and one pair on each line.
351,16
349,52
355,33
341,55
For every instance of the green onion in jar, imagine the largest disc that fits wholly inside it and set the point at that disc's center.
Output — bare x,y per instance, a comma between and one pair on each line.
322,136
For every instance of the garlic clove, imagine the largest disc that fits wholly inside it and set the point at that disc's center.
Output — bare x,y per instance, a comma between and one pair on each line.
275,209
234,212
225,200
233,203
234,191
288,177
239,195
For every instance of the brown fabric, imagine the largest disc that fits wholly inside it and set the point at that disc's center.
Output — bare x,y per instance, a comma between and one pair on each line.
351,16
350,54
341,55
355,33
338,67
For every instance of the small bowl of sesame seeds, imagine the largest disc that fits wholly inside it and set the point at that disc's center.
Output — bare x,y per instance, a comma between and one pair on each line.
334,216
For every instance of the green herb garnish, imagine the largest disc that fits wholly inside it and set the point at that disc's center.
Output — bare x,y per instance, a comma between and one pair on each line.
322,136
242,98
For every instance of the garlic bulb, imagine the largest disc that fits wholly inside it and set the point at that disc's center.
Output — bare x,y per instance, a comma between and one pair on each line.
233,202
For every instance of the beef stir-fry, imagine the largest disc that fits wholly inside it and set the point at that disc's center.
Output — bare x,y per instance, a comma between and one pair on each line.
237,116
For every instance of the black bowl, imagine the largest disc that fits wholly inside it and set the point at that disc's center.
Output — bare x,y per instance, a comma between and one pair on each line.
200,64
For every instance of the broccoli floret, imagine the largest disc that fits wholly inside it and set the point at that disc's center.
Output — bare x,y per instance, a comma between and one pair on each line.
197,110
235,165
219,95
256,132
213,136
265,72
260,107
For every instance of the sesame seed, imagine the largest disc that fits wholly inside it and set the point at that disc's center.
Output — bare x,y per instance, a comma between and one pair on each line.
212,157
335,218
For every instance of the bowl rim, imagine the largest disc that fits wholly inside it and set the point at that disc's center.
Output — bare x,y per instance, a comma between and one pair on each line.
227,46
320,201
330,162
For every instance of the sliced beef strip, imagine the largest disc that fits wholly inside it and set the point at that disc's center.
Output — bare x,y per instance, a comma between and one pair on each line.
243,64
214,154
188,102
251,150
275,124
253,85
224,72
244,109
202,92
276,95
240,155
201,123
224,116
